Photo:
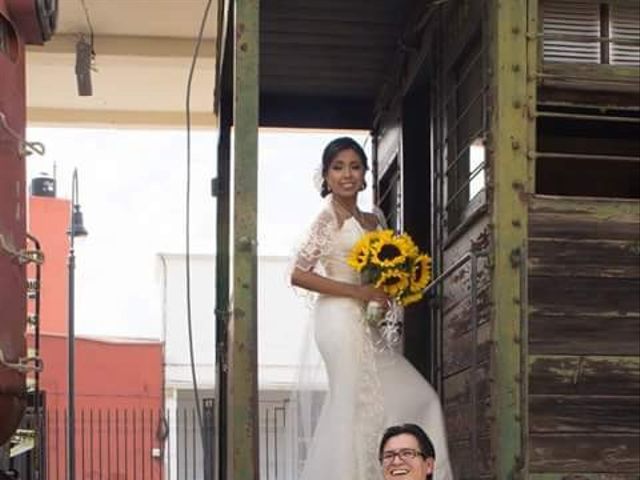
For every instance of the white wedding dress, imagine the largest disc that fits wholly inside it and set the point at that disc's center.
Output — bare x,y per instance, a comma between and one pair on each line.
369,388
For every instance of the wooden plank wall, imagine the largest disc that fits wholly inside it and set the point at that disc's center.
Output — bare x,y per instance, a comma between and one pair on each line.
584,337
464,25
458,372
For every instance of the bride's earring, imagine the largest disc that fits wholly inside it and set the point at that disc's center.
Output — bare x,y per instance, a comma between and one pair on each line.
326,190
363,186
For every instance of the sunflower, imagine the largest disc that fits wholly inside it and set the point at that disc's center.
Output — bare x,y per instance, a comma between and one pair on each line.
420,273
360,253
410,246
359,256
391,250
378,237
411,298
393,282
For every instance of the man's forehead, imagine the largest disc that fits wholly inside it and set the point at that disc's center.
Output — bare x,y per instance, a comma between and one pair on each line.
404,440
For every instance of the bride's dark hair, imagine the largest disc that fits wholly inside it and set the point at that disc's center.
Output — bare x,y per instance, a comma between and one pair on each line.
333,148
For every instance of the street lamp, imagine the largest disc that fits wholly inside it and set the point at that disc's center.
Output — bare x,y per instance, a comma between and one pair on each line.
76,229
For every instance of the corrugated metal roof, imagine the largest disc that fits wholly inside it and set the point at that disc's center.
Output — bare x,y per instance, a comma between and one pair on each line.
329,55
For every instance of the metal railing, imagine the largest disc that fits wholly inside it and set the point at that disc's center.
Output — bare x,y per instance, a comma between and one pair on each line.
146,444
123,443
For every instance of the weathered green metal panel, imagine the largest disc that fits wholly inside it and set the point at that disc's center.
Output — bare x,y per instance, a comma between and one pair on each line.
243,331
510,185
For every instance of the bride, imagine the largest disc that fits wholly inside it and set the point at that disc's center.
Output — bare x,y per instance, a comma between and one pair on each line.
369,388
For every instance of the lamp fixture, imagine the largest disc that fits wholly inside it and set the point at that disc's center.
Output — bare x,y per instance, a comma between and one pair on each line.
76,229
84,59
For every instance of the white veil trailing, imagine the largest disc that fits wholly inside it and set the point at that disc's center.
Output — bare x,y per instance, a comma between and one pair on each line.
312,389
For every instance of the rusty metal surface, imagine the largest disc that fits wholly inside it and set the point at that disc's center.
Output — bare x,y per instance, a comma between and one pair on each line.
13,305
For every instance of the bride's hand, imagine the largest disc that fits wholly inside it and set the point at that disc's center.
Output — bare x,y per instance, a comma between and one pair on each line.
369,293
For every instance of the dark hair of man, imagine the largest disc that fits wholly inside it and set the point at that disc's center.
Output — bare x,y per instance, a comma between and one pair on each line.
333,148
426,447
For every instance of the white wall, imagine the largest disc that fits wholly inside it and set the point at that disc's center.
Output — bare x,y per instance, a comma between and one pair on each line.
281,319
172,279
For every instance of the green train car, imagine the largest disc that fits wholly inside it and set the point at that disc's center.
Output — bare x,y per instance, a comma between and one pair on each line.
505,139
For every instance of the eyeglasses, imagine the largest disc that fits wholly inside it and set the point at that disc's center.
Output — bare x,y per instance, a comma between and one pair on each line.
403,453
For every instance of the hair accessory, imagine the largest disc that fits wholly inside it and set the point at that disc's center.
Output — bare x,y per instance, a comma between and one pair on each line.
318,178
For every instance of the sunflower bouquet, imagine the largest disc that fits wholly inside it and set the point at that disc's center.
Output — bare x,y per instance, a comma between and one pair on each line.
392,261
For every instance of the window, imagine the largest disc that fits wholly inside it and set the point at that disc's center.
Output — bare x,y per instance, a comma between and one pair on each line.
591,32
624,28
466,124
589,152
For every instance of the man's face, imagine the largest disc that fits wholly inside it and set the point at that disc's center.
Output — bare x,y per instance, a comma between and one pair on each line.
404,465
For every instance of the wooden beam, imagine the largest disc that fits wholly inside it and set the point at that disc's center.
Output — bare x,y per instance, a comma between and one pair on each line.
91,117
127,46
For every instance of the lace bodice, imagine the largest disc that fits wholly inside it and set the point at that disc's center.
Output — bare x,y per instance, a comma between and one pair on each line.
334,262
328,243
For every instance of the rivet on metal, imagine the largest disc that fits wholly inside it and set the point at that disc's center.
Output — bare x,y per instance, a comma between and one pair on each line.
514,258
246,244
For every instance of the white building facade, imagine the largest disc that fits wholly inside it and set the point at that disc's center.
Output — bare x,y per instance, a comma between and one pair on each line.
282,318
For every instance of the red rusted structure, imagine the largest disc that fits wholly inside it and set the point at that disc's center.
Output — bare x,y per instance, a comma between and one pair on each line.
22,22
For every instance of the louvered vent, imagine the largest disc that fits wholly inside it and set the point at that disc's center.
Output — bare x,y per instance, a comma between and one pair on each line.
625,25
562,19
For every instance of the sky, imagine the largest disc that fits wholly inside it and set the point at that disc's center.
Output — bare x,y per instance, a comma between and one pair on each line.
132,186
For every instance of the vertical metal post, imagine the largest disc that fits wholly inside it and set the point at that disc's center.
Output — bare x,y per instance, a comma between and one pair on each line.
474,363
168,452
71,361
38,408
117,441
71,352
374,166
76,229
438,202
82,443
222,192
134,442
126,428
222,284
109,445
533,61
509,140
243,329
208,415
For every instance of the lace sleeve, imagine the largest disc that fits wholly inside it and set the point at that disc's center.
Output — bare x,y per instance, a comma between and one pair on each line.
317,242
